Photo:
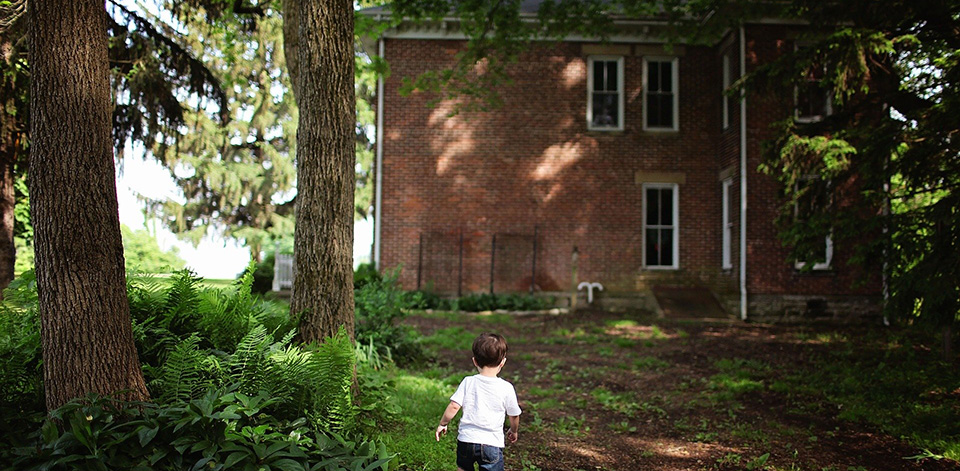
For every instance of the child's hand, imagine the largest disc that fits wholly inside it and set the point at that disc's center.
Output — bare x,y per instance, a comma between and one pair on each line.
441,430
512,436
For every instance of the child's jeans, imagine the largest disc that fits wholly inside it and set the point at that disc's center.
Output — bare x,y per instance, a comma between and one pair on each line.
488,457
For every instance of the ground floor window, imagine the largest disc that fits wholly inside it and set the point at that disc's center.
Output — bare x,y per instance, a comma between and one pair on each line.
727,238
660,223
813,198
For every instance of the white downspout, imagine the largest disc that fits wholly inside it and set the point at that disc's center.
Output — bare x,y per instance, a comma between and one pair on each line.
743,178
378,190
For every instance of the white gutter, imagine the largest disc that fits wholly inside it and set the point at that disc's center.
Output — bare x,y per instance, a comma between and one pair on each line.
743,178
378,189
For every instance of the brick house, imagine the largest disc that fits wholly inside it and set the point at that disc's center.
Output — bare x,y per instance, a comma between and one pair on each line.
619,162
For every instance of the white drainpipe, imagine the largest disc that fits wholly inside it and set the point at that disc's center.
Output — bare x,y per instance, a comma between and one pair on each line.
743,179
378,190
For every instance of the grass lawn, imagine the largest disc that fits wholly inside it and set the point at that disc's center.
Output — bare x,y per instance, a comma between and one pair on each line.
610,392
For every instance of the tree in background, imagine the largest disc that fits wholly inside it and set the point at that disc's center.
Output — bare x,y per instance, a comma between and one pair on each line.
892,74
236,180
142,253
14,110
86,332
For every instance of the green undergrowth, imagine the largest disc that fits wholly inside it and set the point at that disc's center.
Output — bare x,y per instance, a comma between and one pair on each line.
891,381
229,388
422,401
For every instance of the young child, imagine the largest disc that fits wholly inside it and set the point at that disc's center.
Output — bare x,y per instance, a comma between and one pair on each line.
485,399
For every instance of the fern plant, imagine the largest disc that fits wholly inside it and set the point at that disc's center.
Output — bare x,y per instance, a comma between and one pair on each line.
336,361
186,373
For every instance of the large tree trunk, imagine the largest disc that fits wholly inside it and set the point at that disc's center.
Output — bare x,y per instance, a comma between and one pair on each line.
323,238
84,313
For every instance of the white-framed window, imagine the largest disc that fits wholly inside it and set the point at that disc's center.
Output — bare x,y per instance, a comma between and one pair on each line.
605,93
661,233
727,77
811,96
815,196
726,243
660,94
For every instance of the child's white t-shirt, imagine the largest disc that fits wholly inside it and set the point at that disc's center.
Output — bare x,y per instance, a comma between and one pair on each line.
484,401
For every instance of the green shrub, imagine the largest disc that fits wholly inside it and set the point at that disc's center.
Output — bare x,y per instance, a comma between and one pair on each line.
204,351
21,376
222,430
512,302
364,274
379,308
262,274
425,299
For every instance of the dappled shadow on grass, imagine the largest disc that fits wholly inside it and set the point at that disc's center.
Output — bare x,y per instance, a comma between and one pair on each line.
605,391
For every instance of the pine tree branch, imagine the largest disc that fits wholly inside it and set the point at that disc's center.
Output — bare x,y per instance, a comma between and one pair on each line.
199,74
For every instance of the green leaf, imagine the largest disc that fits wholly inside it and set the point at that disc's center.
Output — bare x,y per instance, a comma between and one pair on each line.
287,464
234,458
147,434
272,449
200,463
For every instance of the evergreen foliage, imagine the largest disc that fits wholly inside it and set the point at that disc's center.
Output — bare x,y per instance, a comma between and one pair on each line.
236,180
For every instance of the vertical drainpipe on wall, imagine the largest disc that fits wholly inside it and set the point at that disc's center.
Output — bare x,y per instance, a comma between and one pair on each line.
378,189
743,179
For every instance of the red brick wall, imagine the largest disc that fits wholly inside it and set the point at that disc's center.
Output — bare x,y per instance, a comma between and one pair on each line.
533,166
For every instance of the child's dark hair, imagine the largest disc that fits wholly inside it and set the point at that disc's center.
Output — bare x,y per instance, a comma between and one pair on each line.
489,349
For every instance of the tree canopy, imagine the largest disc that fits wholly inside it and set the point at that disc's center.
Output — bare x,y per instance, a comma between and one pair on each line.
235,179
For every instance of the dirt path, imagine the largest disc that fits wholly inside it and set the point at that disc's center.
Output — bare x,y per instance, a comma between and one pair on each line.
603,391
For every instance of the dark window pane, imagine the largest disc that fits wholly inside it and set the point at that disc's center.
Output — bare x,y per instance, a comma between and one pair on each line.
732,202
606,112
655,111
666,71
652,250
666,247
666,207
666,111
653,76
597,76
812,102
612,76
653,206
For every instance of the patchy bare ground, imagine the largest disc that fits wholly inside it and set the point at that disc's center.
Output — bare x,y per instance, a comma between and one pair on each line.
604,391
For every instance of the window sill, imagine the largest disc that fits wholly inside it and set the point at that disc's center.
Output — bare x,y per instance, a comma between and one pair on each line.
604,130
665,133
814,272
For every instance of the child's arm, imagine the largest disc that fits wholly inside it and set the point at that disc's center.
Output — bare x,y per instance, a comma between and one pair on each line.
513,433
448,414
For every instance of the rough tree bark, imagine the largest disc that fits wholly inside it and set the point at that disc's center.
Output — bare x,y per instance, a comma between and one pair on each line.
12,27
86,334
10,135
323,238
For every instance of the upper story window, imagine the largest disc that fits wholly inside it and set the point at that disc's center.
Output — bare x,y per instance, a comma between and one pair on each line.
812,95
660,83
727,77
605,97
